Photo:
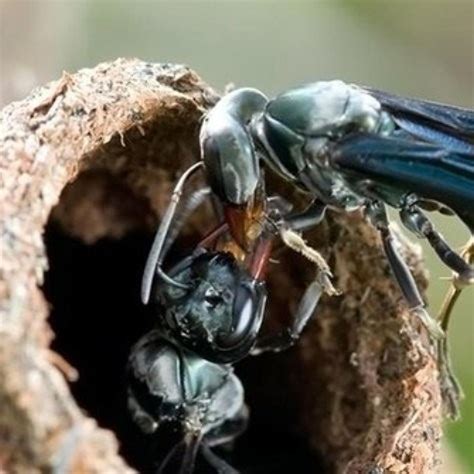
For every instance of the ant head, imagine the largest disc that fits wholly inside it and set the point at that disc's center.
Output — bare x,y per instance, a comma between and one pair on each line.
219,315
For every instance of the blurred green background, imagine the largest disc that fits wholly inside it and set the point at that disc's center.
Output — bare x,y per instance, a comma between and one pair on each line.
421,48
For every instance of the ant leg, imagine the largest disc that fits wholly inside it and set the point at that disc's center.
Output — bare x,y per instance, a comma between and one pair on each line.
192,440
156,256
377,213
171,454
215,461
287,337
451,390
416,221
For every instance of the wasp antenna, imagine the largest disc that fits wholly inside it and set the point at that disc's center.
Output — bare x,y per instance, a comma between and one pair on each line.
189,206
156,254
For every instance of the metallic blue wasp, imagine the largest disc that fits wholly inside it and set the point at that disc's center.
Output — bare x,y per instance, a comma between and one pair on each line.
351,148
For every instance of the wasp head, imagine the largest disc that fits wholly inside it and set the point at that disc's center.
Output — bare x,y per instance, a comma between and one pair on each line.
231,161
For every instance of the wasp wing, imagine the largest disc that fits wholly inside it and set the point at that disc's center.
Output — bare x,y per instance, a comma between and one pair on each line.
430,171
446,125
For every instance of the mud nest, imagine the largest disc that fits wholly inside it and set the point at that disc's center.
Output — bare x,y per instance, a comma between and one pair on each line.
87,164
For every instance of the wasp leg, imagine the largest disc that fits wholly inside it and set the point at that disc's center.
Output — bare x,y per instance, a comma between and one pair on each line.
287,337
309,217
450,388
415,220
279,205
378,216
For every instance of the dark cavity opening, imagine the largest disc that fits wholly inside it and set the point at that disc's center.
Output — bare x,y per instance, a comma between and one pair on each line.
97,316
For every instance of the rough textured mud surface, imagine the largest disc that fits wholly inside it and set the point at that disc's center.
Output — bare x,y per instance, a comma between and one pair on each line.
97,152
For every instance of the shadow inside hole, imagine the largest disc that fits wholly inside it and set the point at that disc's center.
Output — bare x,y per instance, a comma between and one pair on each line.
97,316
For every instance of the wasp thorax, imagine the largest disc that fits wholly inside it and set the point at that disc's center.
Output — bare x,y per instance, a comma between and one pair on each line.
340,108
326,108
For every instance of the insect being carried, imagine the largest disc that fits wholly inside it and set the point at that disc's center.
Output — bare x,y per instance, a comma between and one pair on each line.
352,148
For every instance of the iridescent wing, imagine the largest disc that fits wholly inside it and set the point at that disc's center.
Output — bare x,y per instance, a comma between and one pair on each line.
445,125
428,170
